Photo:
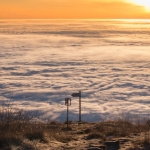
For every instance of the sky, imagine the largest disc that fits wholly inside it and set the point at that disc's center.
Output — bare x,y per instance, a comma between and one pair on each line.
78,9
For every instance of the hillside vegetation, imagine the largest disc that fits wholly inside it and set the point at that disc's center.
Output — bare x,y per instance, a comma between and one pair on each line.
18,131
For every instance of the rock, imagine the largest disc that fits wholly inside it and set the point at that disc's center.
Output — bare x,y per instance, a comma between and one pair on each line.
68,147
148,122
136,134
86,131
94,148
97,147
112,145
67,129
123,140
80,132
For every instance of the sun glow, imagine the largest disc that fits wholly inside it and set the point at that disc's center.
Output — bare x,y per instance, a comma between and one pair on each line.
145,3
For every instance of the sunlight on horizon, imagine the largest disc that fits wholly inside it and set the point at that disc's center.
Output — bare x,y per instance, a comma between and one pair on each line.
83,9
144,3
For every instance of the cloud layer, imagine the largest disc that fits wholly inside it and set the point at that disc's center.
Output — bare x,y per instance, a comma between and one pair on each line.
41,63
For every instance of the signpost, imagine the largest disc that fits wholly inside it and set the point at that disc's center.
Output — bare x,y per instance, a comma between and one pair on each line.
78,95
68,103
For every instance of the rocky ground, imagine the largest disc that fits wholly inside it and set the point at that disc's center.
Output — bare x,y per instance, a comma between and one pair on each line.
107,135
87,136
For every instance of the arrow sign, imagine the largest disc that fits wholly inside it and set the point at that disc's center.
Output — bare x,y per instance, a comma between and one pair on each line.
76,95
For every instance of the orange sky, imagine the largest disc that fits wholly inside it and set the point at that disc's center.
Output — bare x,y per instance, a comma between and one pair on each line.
71,9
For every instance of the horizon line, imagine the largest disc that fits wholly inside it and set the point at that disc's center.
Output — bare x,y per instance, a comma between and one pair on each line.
74,18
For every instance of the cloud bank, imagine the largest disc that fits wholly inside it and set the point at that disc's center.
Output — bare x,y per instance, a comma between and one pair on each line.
41,63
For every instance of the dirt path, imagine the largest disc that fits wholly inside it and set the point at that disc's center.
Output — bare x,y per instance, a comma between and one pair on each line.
82,141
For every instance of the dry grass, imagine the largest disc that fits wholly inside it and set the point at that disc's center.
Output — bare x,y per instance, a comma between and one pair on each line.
120,128
15,127
95,135
141,145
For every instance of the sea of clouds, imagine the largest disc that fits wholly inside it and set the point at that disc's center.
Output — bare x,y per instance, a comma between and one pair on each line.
44,61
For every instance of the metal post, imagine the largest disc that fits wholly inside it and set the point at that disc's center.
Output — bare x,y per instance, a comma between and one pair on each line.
67,115
68,103
79,106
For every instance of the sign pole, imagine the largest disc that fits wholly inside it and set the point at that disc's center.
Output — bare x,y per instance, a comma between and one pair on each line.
79,106
68,103
67,116
78,95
